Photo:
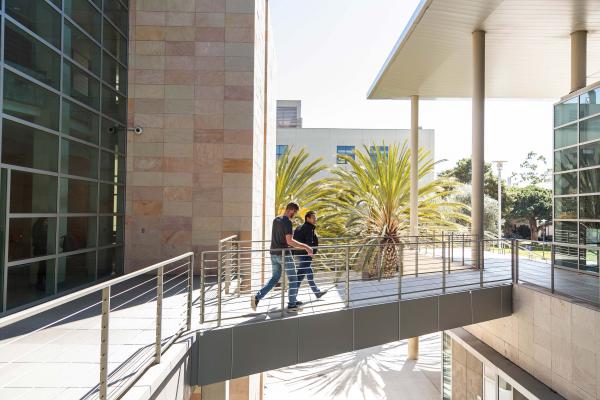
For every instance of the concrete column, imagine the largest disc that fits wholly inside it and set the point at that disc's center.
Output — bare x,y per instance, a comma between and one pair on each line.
414,164
413,348
578,60
477,158
215,391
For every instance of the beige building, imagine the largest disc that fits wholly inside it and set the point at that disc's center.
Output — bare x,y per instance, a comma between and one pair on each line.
204,165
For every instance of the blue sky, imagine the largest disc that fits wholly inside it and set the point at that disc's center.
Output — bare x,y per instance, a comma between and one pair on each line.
328,52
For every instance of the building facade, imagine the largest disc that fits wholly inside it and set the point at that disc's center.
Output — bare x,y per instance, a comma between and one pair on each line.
64,97
330,143
82,196
577,179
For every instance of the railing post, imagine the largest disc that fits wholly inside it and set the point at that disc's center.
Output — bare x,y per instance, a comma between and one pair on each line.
516,261
159,311
443,270
463,250
104,330
347,277
202,292
433,246
283,280
239,270
401,269
481,262
552,258
443,253
512,260
417,257
190,292
219,288
227,266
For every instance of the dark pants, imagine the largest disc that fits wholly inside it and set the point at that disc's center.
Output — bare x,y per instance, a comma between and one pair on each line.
305,269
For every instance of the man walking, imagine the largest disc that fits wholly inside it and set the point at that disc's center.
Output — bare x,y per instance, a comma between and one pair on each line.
281,238
305,233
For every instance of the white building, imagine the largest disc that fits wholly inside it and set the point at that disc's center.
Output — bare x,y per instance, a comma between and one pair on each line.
328,143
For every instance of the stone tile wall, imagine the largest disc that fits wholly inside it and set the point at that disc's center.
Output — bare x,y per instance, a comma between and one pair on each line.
555,340
467,374
196,86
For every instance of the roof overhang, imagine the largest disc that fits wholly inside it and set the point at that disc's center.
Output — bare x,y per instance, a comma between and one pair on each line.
527,49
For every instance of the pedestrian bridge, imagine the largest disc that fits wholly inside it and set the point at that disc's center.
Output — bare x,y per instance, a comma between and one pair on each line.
125,337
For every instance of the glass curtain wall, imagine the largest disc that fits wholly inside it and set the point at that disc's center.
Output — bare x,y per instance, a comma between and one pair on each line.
63,74
577,181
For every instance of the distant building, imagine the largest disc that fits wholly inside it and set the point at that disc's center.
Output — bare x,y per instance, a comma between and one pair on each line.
330,143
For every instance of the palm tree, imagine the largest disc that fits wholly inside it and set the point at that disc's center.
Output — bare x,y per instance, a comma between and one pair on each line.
373,197
296,182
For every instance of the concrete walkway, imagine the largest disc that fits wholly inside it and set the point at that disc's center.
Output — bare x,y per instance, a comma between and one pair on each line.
380,372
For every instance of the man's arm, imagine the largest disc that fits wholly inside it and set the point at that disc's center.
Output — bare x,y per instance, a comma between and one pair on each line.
297,245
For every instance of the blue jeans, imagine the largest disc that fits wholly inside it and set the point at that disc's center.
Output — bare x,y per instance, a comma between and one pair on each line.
290,270
305,269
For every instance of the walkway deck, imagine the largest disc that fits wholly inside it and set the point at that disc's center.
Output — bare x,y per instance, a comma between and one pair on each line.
44,360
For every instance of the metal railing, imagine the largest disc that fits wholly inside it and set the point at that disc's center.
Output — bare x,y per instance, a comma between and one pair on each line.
150,308
351,273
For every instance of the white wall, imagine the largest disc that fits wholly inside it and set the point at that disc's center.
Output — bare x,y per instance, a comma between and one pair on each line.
323,142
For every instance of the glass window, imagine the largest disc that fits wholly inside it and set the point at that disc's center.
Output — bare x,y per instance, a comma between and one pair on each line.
446,366
344,151
280,150
565,112
80,122
31,237
565,207
112,167
566,136
37,16
30,102
565,183
373,150
589,233
113,105
565,160
76,233
110,230
565,232
110,261
30,56
589,129
114,42
589,207
85,15
78,159
589,103
114,73
76,270
589,155
113,136
32,193
589,181
29,282
111,199
588,261
28,147
81,49
504,390
117,13
80,85
78,196
566,256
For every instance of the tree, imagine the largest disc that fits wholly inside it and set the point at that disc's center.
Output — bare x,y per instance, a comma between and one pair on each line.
534,170
373,198
490,207
462,173
531,203
296,181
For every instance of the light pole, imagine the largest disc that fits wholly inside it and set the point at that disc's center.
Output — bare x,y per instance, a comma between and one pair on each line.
499,165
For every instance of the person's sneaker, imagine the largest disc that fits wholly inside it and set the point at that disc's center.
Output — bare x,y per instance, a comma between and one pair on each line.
294,309
321,294
253,302
299,303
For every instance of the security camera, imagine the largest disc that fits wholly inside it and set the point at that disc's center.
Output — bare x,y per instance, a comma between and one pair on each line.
112,129
138,130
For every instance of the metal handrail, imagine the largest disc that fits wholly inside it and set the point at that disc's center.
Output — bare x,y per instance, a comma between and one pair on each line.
105,289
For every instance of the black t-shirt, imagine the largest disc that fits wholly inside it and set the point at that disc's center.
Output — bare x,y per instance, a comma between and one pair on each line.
281,226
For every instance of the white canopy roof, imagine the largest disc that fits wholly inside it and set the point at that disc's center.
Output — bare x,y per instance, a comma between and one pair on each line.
527,49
